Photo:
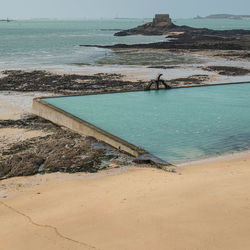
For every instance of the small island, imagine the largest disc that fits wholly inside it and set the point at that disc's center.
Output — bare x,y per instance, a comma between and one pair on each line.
6,20
185,37
160,25
224,16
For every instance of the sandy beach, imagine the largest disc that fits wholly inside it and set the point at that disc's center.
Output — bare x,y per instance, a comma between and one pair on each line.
203,206
63,186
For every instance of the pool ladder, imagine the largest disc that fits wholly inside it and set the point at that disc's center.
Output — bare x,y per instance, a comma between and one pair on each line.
157,83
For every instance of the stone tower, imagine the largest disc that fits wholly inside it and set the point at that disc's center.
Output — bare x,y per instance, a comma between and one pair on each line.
162,20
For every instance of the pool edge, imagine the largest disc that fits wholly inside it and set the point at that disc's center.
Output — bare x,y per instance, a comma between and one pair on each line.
63,118
143,89
41,108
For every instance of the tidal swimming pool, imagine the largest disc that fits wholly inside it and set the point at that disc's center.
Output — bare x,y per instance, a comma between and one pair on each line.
176,125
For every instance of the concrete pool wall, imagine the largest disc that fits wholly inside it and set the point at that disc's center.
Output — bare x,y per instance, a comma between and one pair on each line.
186,140
63,118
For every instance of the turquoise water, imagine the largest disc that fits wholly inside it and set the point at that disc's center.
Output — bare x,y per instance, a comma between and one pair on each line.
26,44
41,44
177,125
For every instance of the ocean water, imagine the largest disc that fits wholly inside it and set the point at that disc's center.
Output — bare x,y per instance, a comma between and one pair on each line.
28,44
177,125
47,43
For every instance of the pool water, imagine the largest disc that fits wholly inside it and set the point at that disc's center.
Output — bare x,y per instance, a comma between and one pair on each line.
176,125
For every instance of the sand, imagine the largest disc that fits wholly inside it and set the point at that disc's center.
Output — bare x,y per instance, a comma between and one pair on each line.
15,105
204,206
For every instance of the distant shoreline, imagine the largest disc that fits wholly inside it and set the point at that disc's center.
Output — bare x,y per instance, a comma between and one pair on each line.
224,16
6,20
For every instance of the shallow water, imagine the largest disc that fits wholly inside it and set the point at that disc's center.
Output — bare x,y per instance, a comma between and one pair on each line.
147,58
177,125
26,44
55,43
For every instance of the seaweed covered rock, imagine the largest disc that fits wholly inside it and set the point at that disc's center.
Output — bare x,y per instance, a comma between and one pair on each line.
59,151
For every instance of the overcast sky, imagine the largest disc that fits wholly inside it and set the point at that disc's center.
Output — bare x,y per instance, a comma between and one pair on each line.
70,9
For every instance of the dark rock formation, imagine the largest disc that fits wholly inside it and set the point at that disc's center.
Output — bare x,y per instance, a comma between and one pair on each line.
160,25
62,150
18,80
184,37
228,71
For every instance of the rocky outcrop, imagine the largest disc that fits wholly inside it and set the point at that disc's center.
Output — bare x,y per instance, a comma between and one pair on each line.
184,37
228,70
60,151
159,26
18,80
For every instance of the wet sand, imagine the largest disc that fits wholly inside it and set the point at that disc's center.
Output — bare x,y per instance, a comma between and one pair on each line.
203,206
15,105
201,60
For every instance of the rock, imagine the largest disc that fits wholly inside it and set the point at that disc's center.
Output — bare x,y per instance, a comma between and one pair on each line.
18,80
228,70
188,38
60,151
185,37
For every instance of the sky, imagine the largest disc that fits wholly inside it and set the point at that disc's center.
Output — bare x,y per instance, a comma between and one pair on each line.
75,9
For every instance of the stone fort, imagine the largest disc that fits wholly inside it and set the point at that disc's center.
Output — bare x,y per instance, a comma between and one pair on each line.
162,20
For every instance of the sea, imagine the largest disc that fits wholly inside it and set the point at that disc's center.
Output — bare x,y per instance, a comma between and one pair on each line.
54,44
